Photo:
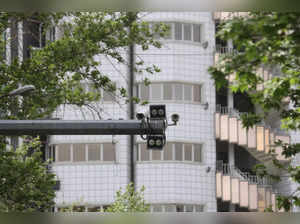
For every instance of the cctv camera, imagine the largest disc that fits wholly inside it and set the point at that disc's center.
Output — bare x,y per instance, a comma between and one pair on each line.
140,116
175,118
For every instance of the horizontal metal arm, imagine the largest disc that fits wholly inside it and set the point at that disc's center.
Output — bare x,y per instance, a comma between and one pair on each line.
82,127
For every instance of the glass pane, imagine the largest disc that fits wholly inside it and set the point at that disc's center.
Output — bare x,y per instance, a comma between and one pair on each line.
156,92
198,208
64,152
144,92
109,153
197,93
156,155
78,152
189,208
187,92
157,208
179,208
178,91
197,153
168,152
170,208
94,209
188,152
178,31
168,91
196,33
187,31
93,152
178,151
145,156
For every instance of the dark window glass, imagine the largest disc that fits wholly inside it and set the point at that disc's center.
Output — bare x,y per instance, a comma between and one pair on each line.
197,93
144,92
145,156
168,92
94,152
179,208
78,152
156,155
188,152
197,153
64,152
109,153
178,31
187,31
178,151
168,152
196,32
178,91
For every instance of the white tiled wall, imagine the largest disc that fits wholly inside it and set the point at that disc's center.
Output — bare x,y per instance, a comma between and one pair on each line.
170,182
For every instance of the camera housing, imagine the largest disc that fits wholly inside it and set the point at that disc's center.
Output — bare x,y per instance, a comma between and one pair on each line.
175,118
140,116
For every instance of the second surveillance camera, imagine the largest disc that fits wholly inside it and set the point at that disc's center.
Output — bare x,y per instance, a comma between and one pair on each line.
140,116
175,118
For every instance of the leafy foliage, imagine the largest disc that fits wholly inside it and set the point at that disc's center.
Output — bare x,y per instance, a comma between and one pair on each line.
270,40
25,183
129,201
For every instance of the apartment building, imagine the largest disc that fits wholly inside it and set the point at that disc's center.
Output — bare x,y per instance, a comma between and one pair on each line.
206,165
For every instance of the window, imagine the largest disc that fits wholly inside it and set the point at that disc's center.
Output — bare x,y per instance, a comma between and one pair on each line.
106,95
184,31
197,153
145,155
173,151
170,91
178,31
187,32
196,33
187,92
197,93
188,152
156,92
189,208
78,152
108,152
168,151
85,152
94,152
63,152
157,208
179,208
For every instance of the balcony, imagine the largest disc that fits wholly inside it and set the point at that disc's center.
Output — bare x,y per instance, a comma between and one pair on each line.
258,140
247,191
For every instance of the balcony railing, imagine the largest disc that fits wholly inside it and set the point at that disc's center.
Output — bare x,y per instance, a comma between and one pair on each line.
258,140
246,190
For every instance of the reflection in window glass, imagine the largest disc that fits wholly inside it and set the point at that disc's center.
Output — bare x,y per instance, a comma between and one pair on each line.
168,151
94,152
197,93
145,156
187,32
109,152
196,33
144,92
178,151
178,31
197,153
168,91
156,92
178,92
188,152
78,152
64,152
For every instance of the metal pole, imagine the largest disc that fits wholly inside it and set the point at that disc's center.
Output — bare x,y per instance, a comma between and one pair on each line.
67,127
132,17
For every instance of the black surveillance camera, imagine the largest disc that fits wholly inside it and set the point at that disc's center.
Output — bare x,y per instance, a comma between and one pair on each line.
140,116
175,118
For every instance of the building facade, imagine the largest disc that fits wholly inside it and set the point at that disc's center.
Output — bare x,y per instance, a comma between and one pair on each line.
206,165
